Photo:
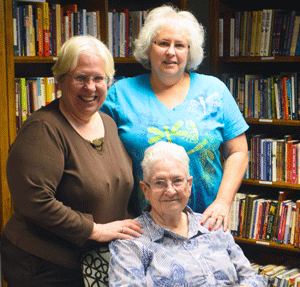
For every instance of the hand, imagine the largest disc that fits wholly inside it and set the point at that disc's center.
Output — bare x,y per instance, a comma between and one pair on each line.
121,229
218,212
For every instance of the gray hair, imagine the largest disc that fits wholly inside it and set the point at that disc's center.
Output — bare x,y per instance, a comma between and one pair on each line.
163,150
169,16
78,45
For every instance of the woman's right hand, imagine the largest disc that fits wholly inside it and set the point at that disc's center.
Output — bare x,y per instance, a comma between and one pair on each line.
122,229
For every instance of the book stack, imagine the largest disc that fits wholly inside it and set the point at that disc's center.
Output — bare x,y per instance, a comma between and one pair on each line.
40,29
273,159
255,217
279,275
264,33
123,29
32,94
274,97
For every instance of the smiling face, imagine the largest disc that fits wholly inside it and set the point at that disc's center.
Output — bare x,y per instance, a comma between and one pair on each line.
169,52
83,100
170,201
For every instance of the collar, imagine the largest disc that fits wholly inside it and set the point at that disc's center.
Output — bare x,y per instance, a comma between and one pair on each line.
157,232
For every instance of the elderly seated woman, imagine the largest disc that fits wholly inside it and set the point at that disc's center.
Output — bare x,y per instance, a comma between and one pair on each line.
175,250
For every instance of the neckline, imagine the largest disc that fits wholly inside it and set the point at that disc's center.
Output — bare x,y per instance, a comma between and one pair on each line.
161,104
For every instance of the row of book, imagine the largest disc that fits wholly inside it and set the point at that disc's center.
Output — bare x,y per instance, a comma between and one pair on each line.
265,33
123,29
273,159
40,29
32,94
279,275
253,216
274,97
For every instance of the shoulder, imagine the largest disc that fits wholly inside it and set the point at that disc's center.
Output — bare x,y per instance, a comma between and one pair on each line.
131,82
49,115
207,79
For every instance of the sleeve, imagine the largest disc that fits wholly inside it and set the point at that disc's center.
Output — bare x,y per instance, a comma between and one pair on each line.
35,167
128,263
234,122
246,274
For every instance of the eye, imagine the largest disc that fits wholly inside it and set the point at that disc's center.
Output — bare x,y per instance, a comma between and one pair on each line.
180,46
163,44
81,78
160,183
99,79
178,181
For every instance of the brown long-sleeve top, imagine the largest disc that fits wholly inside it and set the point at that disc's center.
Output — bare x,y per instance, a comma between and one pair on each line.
60,184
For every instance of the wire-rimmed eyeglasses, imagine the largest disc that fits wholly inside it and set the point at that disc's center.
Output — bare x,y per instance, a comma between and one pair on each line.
161,185
179,46
83,79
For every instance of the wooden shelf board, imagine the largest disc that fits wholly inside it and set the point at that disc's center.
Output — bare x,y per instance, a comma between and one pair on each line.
282,59
43,60
266,243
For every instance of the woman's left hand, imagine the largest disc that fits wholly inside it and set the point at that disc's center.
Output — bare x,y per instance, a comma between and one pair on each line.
218,212
121,229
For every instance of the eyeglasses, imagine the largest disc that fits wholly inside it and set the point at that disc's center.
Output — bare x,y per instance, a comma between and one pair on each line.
161,185
166,45
83,79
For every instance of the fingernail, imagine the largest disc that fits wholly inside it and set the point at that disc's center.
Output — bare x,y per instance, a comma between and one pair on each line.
216,228
209,228
225,230
201,223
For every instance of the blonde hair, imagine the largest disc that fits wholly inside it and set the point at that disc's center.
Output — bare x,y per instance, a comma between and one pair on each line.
173,18
78,45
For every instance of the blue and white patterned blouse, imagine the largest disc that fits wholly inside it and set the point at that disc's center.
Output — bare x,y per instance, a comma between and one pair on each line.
161,257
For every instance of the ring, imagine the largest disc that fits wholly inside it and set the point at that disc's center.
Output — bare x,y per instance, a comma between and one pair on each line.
221,215
121,229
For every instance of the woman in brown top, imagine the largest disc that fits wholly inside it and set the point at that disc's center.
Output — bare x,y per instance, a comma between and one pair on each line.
69,175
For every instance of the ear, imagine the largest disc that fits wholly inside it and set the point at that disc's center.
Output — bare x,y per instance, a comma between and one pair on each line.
145,189
59,82
190,181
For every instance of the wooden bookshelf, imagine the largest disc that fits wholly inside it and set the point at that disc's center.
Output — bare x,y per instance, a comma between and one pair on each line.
13,66
5,202
266,251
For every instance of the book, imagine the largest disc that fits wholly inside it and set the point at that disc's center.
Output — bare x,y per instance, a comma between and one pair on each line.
284,279
23,98
282,196
288,223
297,224
282,221
18,103
272,276
250,213
46,28
92,23
271,218
221,35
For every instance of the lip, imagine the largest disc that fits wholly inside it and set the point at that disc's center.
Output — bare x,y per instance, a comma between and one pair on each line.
171,200
170,63
87,99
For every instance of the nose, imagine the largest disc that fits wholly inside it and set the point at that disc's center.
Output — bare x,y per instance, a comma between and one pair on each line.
90,84
170,190
171,49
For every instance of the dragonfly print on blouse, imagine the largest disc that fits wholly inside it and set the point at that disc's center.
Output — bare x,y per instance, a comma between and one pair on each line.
188,132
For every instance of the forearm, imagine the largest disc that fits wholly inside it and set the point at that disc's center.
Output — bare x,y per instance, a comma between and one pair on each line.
234,171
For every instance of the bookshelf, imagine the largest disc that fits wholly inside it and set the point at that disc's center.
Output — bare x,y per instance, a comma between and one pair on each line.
12,66
262,251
